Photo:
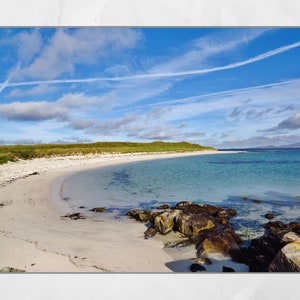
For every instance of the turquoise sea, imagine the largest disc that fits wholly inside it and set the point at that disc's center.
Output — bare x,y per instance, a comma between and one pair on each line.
269,175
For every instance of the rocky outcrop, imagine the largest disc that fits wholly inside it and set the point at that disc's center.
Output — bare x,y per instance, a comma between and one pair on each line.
266,253
166,221
287,259
209,229
205,226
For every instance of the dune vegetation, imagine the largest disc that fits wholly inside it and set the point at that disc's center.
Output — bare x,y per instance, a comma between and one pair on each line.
17,152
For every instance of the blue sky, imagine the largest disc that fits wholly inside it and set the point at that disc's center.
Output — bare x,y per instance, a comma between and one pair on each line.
224,87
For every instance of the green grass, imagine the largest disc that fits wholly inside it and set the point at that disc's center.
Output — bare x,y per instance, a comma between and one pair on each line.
17,152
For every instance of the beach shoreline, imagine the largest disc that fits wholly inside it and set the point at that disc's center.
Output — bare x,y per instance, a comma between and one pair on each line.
35,238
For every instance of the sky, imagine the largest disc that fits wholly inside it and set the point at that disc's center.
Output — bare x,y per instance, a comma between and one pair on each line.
221,87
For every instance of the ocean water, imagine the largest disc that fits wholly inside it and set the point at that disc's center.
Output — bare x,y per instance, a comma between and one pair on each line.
272,176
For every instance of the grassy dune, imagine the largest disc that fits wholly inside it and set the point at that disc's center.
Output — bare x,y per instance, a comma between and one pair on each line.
16,152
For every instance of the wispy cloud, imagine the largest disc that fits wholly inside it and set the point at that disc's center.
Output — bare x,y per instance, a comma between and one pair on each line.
162,75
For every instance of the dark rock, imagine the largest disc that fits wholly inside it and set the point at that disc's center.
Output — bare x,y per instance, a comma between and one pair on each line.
202,208
191,224
150,232
98,209
141,215
183,204
181,242
263,250
295,227
256,201
34,173
223,215
82,207
240,255
231,212
74,216
269,216
223,221
217,240
163,206
277,227
260,263
196,268
227,269
287,259
1,205
165,221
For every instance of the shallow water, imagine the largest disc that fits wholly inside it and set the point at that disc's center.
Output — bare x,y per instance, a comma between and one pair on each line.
222,179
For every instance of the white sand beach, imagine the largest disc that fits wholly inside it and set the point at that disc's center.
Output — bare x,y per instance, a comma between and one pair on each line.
35,238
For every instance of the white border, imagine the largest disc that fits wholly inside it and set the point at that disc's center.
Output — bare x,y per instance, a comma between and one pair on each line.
149,13
137,13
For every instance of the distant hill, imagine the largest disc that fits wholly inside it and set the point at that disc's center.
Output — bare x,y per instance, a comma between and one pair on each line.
294,145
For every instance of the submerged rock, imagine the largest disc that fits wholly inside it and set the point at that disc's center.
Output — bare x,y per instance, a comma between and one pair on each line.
256,201
98,209
269,216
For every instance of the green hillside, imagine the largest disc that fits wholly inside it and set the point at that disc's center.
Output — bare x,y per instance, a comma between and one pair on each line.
16,152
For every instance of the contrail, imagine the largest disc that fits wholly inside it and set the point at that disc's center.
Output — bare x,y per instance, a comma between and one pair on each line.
4,85
157,75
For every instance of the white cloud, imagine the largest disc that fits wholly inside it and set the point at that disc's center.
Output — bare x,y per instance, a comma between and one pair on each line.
69,47
32,111
201,50
291,123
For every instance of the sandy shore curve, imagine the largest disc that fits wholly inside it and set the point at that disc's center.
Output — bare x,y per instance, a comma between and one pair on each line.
35,238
